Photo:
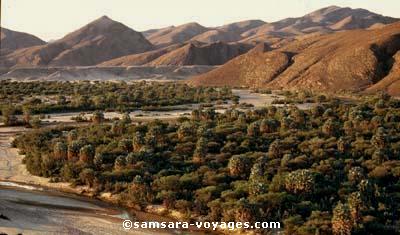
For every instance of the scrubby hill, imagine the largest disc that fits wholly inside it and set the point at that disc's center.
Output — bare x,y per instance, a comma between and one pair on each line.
352,60
101,40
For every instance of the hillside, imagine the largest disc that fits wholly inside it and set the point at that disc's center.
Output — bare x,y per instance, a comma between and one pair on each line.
352,60
325,20
172,35
141,58
228,33
196,53
12,40
191,53
90,45
391,82
105,42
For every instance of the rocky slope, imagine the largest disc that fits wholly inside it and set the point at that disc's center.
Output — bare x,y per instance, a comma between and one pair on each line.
196,53
228,33
325,20
12,40
172,35
304,52
390,83
90,45
353,60
141,58
191,53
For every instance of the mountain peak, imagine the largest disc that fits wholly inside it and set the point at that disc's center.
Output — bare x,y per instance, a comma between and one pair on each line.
192,24
332,7
104,17
325,10
13,40
103,21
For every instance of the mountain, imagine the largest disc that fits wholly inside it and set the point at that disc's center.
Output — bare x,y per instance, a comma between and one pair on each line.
325,20
191,53
352,60
12,40
105,42
391,82
101,40
197,53
150,32
172,35
228,33
141,58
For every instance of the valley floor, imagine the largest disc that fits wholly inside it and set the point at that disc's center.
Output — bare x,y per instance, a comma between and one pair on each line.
32,212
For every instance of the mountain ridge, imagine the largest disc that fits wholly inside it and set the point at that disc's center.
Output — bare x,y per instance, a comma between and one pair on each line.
89,45
13,40
352,60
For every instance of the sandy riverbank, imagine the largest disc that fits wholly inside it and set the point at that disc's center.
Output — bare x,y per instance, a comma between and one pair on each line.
36,206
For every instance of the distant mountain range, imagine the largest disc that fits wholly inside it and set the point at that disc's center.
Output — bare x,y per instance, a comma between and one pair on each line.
191,53
305,52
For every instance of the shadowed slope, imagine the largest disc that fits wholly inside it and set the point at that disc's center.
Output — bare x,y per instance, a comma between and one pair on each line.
12,40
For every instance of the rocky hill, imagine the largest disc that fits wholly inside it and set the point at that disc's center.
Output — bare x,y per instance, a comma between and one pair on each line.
12,40
325,20
329,49
172,35
196,53
228,33
191,53
101,40
354,60
141,58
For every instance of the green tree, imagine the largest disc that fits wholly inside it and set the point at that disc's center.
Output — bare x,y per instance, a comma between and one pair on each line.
86,154
88,176
9,119
201,151
239,165
138,141
60,151
300,181
341,220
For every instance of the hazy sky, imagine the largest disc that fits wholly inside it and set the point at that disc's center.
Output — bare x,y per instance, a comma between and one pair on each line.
52,19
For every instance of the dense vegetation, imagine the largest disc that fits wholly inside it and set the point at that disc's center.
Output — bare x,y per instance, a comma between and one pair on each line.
333,169
52,96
